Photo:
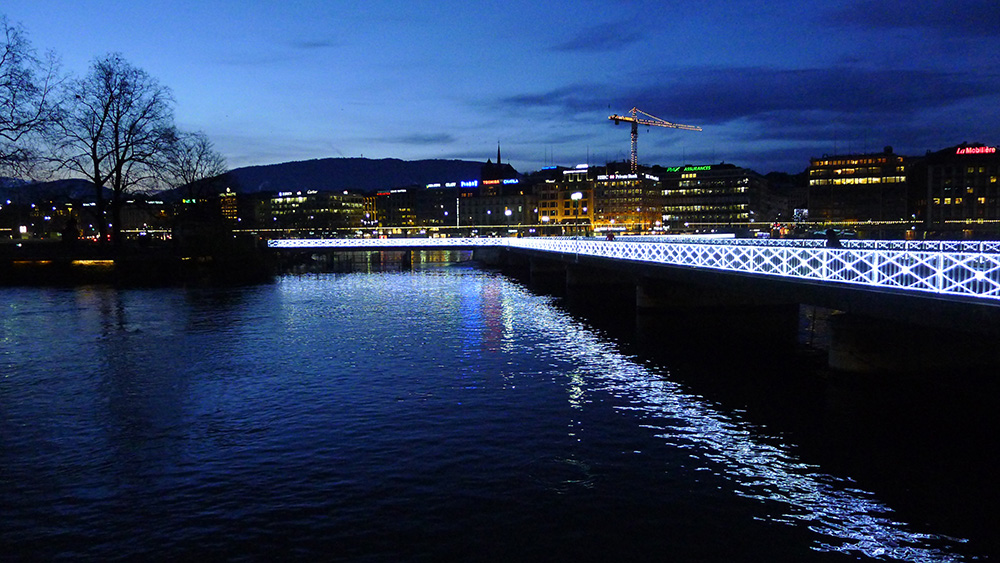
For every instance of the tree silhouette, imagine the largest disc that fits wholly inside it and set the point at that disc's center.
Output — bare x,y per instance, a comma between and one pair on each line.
117,129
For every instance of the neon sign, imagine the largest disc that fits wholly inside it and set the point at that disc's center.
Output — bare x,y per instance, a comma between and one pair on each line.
976,150
511,181
433,185
618,177
469,183
491,182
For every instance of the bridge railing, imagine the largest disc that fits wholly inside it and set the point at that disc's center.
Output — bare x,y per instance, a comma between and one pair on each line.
931,269
969,274
988,246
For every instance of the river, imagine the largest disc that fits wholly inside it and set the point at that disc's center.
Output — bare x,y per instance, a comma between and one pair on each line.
448,414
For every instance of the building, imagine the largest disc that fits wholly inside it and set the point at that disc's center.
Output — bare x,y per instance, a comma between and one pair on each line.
626,201
716,196
566,199
860,187
961,190
315,210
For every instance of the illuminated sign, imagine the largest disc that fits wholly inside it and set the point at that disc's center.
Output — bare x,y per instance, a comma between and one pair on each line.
511,181
618,177
451,184
651,177
687,169
470,183
580,171
433,185
491,182
976,150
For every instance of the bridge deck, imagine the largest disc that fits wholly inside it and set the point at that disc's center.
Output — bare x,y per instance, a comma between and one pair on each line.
956,270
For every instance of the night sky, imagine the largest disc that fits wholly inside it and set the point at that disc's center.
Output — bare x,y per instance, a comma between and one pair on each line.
772,83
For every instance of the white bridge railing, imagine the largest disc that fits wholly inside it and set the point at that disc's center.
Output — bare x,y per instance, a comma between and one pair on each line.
947,268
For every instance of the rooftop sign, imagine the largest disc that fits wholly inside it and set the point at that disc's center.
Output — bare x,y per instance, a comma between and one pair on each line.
689,168
976,150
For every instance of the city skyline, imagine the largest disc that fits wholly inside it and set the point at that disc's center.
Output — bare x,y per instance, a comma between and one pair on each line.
772,86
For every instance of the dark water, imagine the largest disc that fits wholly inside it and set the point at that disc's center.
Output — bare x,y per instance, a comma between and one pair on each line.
444,414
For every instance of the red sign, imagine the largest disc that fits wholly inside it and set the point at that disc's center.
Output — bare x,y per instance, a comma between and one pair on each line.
976,150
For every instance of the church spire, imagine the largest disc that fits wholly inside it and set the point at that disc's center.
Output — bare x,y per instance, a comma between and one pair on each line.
498,152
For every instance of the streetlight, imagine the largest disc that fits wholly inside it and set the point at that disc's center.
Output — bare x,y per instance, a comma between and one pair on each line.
576,197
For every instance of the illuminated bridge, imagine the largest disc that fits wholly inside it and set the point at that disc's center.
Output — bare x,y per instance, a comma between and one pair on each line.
941,285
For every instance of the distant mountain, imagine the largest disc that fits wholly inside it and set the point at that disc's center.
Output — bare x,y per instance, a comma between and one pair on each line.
328,174
362,174
58,190
10,182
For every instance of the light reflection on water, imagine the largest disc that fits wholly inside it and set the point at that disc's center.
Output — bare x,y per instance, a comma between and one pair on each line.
847,519
216,418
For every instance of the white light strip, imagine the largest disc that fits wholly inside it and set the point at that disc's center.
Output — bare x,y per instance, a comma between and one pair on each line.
943,268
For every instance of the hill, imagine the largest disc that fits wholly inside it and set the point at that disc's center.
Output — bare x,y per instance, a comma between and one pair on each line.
57,190
362,174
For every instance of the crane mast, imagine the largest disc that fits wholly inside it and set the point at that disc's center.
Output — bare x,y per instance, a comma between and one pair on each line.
652,120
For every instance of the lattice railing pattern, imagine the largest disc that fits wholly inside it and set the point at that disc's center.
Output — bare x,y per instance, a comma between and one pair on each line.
960,272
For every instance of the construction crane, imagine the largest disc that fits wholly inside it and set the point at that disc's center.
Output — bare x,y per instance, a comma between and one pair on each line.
637,121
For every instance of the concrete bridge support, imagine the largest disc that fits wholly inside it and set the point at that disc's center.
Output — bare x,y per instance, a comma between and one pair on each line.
548,276
747,323
587,286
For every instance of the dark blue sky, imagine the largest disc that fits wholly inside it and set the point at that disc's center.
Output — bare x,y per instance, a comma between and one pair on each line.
772,84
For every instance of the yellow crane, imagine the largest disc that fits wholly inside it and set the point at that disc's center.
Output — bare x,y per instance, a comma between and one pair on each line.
636,121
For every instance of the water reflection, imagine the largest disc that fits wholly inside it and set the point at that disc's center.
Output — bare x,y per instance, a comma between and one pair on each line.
760,467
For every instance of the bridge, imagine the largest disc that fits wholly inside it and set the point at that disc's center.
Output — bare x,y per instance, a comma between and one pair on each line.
935,294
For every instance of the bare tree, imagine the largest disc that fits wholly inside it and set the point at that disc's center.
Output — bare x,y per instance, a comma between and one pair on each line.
27,83
117,126
192,160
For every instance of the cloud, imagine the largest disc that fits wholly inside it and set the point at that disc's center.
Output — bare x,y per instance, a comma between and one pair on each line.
959,17
719,95
608,37
771,119
423,139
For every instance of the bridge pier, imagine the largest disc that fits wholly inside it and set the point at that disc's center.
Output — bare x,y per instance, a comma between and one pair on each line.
587,286
548,276
690,314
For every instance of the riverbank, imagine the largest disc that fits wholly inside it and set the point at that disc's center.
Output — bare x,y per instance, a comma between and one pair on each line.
52,263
